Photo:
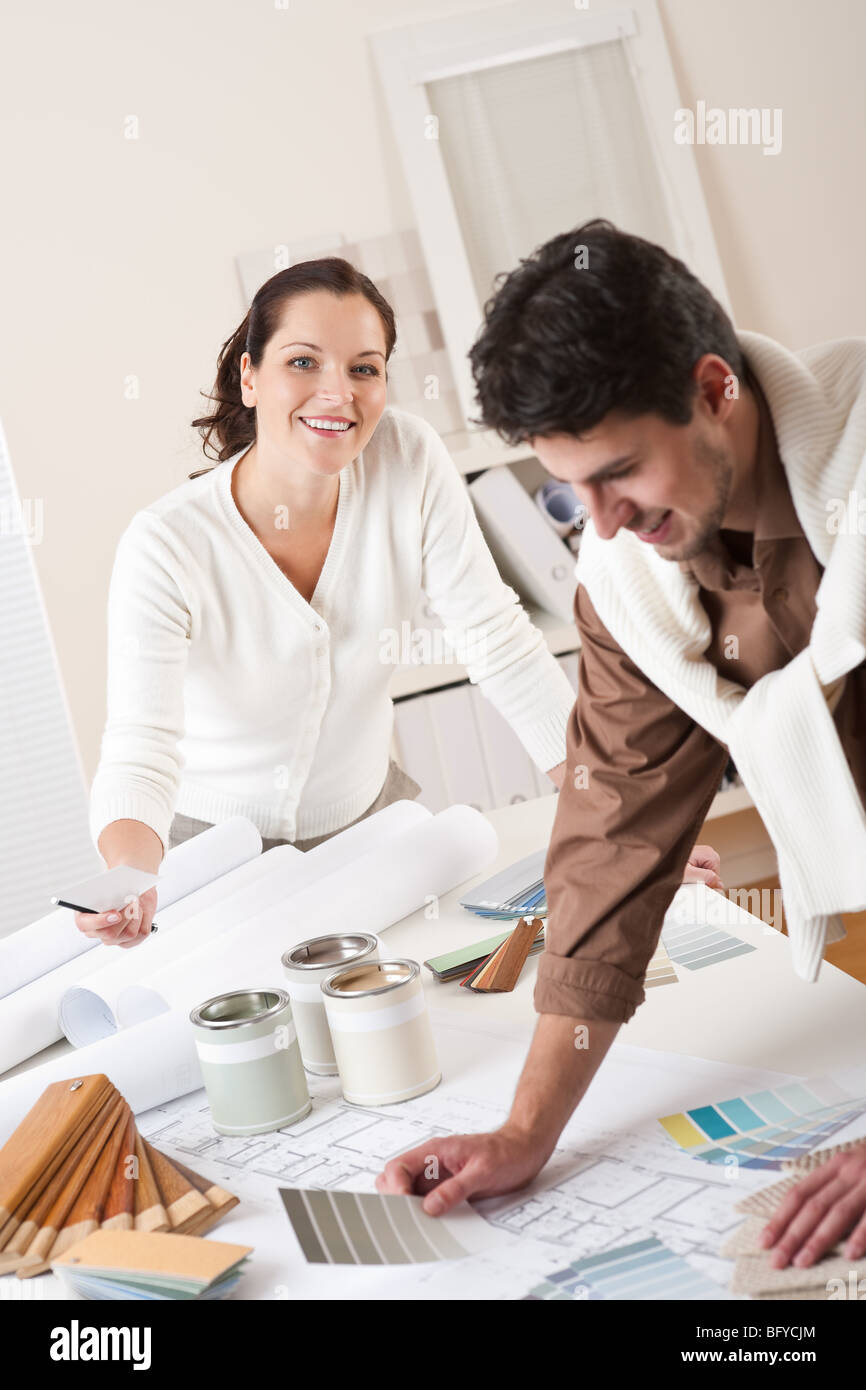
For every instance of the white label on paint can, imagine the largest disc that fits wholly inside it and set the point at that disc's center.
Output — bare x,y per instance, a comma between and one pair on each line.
305,991
247,1051
371,1020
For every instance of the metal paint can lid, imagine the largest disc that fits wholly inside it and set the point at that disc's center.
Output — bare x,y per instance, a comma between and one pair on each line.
372,977
323,952
239,1008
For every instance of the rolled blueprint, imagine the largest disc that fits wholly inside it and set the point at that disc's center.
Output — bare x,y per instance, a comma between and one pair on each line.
368,895
54,939
88,1011
148,1065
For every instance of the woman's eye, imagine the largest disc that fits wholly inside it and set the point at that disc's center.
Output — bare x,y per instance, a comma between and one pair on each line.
293,362
368,367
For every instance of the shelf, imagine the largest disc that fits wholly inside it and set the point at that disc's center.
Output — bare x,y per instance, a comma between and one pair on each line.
561,637
475,450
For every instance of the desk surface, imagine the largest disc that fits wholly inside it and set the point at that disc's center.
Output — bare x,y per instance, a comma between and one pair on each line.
750,1010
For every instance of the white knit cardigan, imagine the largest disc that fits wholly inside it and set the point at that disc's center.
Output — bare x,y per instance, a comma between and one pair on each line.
780,733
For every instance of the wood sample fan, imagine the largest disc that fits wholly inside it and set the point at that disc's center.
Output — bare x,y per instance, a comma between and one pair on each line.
77,1162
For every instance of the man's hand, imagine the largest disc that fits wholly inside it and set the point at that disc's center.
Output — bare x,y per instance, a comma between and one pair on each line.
815,1215
563,1058
557,774
703,867
454,1169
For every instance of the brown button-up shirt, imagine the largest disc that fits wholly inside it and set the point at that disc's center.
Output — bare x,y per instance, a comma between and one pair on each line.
641,774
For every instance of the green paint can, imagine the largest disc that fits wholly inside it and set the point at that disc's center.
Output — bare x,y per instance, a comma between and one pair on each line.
250,1061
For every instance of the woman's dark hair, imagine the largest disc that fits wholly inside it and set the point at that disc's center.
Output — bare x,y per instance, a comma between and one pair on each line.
595,320
232,424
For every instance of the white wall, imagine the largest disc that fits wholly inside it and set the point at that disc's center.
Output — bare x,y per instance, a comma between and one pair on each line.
258,124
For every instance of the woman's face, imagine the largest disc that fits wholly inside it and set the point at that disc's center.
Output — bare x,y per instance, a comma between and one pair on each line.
320,388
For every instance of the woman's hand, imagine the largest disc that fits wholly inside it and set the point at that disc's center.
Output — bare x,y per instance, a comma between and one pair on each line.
703,867
826,1205
127,926
446,1171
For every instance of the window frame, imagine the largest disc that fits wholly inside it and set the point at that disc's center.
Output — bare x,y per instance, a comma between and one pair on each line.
409,56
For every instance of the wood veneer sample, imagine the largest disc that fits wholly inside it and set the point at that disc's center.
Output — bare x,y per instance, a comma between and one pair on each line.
85,1213
502,971
36,1235
182,1200
149,1211
38,1147
119,1213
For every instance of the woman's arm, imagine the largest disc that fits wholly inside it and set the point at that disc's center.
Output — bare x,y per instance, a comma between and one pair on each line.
135,787
503,652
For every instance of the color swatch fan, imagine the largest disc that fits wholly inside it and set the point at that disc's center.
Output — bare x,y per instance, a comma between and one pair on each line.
513,892
767,1128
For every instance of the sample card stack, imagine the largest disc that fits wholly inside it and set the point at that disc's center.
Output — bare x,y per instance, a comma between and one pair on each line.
76,1164
455,965
500,972
512,892
149,1265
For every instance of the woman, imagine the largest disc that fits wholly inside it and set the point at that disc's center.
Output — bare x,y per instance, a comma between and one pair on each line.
250,608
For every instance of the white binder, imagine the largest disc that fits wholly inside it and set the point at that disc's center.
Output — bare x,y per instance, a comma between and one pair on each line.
417,751
529,554
460,750
512,773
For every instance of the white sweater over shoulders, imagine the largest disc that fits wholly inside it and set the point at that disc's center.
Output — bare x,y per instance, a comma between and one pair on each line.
229,694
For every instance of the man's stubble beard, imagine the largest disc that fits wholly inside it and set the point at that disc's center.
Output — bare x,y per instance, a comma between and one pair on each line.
721,468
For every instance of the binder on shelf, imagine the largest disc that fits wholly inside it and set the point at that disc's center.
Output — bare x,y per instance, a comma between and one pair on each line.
530,556
509,767
460,749
417,752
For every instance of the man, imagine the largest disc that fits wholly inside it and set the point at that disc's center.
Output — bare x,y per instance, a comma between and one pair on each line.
719,471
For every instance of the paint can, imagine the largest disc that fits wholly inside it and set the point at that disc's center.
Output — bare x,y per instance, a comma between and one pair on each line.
305,966
250,1061
381,1032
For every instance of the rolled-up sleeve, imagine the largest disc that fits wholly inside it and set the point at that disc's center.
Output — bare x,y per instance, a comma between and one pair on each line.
640,778
504,653
149,624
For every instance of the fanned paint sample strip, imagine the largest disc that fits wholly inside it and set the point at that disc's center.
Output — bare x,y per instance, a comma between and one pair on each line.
643,1270
367,1228
696,945
660,970
768,1128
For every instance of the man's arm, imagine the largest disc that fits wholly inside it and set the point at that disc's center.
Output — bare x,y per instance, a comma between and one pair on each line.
640,778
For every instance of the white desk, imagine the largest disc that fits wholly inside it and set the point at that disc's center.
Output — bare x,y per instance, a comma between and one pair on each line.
750,1010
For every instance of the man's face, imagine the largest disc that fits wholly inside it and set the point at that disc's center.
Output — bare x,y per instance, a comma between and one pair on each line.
670,484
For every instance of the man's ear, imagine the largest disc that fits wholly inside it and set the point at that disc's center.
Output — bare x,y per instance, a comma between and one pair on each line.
717,385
